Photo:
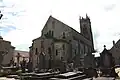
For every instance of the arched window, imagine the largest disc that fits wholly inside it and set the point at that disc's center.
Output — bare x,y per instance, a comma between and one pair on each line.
63,46
36,51
63,35
52,33
56,52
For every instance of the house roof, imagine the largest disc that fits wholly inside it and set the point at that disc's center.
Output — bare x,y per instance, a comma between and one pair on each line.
105,51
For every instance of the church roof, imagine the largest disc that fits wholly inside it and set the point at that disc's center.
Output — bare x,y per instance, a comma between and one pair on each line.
83,38
73,30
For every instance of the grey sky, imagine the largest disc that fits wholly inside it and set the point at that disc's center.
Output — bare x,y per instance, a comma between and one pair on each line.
29,17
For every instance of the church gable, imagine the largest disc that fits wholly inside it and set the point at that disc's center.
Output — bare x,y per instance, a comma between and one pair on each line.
55,28
46,24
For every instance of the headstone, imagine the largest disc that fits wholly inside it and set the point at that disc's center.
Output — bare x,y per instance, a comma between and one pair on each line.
30,66
62,67
23,65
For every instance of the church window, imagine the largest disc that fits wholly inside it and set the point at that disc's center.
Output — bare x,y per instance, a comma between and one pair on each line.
36,51
52,33
56,52
61,58
49,33
53,24
63,47
63,35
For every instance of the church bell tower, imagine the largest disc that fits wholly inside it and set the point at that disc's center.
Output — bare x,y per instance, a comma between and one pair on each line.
85,28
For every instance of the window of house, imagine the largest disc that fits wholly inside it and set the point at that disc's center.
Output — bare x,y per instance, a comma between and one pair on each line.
56,52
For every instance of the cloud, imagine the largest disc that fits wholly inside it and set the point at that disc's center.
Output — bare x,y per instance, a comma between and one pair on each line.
96,35
7,29
109,7
28,20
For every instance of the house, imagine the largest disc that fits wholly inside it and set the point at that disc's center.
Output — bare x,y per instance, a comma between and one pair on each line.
115,50
61,43
106,59
6,51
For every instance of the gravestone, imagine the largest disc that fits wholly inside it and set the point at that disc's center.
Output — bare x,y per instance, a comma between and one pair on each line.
23,65
29,66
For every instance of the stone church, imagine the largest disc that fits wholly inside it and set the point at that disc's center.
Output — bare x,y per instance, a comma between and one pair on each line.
6,51
60,42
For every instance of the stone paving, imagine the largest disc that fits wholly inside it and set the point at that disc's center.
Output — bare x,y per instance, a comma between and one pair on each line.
104,78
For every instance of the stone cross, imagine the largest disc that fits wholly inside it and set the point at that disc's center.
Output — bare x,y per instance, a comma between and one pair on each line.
18,59
104,46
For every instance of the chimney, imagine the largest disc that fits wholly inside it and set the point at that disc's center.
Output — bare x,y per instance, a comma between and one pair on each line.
113,42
